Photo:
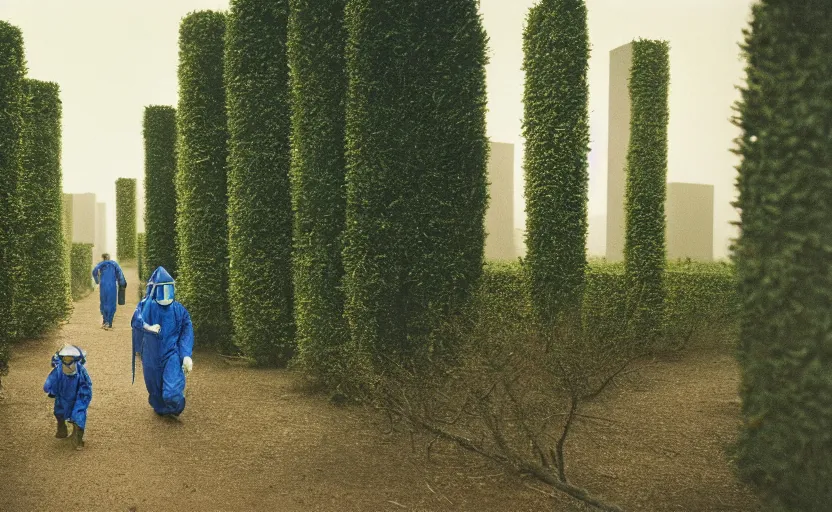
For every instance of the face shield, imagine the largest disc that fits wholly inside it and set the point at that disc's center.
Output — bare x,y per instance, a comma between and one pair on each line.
69,356
163,293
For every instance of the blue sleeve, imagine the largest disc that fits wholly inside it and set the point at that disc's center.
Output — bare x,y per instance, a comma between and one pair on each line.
84,396
186,336
95,272
51,382
120,276
137,323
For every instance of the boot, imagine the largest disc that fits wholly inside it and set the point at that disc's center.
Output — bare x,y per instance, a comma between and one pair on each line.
78,437
62,431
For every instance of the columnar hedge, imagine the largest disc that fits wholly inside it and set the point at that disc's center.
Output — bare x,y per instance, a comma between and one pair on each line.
81,270
201,188
160,187
316,43
141,263
43,297
556,129
126,219
12,71
783,257
646,189
259,204
416,168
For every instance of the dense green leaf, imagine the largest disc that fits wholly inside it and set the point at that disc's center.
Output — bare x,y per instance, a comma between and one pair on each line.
783,254
416,170
43,296
126,219
259,203
141,263
201,179
556,130
316,45
160,188
646,189
81,270
12,104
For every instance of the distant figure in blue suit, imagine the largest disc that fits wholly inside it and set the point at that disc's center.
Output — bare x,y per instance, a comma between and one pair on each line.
108,276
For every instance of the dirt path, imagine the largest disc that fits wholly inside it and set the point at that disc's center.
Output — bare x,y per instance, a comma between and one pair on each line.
253,440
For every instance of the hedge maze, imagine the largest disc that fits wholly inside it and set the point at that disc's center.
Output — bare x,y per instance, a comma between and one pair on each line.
319,194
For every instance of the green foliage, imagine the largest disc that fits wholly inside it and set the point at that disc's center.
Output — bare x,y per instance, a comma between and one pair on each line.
141,262
160,187
201,188
701,301
43,296
316,42
644,244
126,219
259,203
416,169
81,270
12,71
556,129
783,255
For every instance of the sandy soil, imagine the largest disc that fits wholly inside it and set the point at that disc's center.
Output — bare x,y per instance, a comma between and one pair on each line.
254,439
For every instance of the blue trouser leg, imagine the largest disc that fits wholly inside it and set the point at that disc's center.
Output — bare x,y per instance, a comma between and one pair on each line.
173,386
165,387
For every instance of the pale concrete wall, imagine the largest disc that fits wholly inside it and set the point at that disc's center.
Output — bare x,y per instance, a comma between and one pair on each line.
499,217
519,243
100,230
83,218
690,221
621,60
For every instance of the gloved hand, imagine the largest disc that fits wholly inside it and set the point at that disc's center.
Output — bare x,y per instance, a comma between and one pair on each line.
155,328
187,365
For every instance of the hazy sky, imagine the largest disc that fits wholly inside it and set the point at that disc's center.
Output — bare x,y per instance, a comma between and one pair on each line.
114,57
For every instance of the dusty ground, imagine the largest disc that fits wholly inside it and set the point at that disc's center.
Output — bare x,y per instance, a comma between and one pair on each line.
255,440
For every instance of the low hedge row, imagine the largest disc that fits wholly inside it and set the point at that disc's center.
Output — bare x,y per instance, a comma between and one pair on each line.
81,270
700,299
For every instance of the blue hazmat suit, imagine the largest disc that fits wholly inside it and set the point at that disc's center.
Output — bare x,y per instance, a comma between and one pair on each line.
72,393
162,354
108,276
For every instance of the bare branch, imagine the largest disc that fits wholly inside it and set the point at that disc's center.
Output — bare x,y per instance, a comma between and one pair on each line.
573,405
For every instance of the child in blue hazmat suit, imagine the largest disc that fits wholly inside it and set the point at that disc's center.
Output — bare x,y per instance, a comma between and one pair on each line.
164,339
108,276
71,387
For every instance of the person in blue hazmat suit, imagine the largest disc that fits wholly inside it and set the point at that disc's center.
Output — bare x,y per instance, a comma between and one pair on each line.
108,276
163,338
71,387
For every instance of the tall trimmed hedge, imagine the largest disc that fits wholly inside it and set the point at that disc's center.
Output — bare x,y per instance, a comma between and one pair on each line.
160,187
316,42
12,71
556,129
645,255
126,219
783,255
201,179
43,297
416,169
81,270
259,204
